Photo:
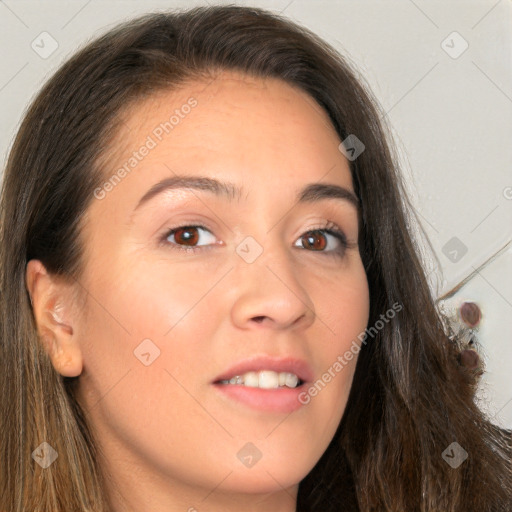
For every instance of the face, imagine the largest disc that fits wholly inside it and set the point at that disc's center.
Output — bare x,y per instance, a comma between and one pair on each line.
188,281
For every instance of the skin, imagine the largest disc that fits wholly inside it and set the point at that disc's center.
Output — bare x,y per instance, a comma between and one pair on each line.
168,440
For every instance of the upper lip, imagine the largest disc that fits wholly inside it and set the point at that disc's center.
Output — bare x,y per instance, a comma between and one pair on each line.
299,367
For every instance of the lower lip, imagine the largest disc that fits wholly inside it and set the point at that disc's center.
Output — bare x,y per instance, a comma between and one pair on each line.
285,400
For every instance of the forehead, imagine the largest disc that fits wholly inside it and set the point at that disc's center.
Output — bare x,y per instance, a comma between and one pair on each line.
234,116
238,128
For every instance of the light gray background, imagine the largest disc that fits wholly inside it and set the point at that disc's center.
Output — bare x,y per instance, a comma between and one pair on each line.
450,109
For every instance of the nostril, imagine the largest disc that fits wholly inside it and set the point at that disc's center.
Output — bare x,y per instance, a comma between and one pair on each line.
259,319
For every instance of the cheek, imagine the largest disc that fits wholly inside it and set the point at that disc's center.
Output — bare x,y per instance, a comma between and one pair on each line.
343,308
135,317
346,312
144,354
151,319
149,299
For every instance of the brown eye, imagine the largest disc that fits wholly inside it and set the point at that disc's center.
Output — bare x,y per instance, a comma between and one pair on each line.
186,235
314,240
187,238
329,240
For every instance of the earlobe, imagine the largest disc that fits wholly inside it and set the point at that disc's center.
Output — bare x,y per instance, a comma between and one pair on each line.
53,314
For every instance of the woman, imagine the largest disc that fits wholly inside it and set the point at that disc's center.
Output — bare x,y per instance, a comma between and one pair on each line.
211,299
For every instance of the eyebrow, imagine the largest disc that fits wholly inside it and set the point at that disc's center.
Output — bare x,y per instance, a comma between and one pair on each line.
312,192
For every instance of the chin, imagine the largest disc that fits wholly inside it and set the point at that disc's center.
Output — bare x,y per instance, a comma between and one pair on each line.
266,476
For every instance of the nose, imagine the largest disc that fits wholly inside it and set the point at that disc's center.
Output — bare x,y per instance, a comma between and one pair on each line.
268,293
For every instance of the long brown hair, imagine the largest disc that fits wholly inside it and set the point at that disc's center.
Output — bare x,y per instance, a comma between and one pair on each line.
410,399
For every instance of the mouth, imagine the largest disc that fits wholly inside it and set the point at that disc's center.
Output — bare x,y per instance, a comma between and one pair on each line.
266,384
265,379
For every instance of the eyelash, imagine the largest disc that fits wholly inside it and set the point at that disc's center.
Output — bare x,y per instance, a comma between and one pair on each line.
329,227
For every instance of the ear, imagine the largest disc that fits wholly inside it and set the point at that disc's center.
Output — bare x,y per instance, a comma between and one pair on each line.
52,304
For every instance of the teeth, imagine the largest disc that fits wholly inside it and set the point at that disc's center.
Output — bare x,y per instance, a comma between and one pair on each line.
265,379
251,379
291,380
